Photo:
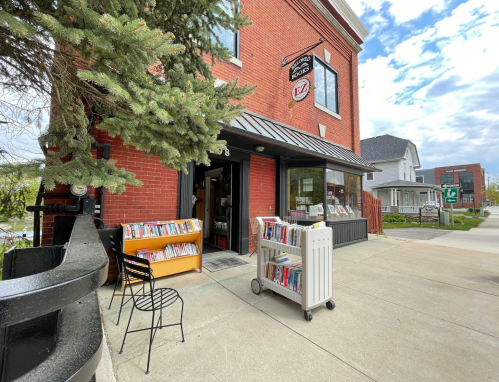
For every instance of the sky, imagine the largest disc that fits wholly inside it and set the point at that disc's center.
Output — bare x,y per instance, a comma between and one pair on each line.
429,72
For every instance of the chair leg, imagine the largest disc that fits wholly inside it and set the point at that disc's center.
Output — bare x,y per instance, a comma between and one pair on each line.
121,305
181,318
150,343
114,292
126,331
161,312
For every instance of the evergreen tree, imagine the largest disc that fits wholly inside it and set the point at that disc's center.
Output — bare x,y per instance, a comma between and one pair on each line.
95,57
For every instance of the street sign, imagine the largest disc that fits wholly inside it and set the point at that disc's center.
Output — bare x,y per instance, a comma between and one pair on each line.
450,185
450,195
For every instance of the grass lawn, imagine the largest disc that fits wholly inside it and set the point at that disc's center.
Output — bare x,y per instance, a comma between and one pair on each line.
467,213
468,223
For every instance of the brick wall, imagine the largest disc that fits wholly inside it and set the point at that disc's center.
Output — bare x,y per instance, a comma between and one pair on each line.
155,200
262,188
279,29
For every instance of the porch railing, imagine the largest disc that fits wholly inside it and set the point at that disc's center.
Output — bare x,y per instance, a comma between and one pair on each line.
409,210
385,208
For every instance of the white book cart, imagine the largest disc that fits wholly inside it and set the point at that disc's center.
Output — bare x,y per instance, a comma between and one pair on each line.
316,252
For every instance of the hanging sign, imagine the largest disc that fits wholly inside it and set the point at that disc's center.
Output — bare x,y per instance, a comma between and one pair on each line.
300,90
301,67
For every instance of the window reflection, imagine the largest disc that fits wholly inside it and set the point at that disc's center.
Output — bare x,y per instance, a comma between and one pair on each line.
343,197
306,194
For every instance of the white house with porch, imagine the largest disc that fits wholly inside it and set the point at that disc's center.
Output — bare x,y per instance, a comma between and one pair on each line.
396,185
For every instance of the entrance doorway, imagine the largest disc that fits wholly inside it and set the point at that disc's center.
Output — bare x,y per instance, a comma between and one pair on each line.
217,192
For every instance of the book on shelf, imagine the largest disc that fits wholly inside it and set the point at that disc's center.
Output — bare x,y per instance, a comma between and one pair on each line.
169,252
288,275
157,229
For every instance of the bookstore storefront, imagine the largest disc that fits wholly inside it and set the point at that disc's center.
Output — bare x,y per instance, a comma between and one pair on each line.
282,171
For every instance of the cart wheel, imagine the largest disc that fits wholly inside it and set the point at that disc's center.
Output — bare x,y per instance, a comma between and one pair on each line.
256,286
330,305
308,315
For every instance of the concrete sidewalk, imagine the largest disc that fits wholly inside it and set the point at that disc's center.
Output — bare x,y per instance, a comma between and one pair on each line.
405,311
483,238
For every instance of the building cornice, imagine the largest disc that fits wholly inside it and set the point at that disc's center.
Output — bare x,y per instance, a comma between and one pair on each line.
348,16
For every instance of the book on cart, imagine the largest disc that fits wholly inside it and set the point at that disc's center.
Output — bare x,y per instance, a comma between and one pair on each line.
286,233
309,281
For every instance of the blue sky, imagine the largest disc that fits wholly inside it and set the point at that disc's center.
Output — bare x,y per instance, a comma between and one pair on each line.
429,72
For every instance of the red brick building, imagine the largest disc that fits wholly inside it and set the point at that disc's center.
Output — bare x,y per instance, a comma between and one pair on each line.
472,179
303,161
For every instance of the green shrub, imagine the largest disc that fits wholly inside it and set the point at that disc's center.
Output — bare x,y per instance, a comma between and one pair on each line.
413,220
458,219
393,218
470,209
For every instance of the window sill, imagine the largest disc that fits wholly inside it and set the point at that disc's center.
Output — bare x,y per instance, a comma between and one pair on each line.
326,110
236,62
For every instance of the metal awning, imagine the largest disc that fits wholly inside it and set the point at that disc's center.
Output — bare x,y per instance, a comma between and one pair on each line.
255,126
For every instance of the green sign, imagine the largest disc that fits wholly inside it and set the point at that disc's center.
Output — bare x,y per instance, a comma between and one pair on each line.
450,195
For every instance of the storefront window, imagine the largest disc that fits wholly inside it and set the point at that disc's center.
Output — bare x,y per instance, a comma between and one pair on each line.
344,198
306,193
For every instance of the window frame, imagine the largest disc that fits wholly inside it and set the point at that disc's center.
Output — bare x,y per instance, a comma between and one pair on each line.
370,180
446,182
419,176
236,56
337,87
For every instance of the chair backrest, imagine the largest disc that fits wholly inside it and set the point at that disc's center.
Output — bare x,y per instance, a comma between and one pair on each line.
116,248
136,268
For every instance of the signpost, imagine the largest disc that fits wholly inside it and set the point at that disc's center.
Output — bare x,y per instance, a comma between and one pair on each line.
432,212
450,185
450,195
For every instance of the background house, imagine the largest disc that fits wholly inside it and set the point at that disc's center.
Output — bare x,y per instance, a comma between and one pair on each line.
396,185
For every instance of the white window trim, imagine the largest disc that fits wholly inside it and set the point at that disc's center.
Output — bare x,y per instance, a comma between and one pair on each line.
328,111
373,179
236,61
417,176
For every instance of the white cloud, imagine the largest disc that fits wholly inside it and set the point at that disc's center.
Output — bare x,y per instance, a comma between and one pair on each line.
401,10
436,98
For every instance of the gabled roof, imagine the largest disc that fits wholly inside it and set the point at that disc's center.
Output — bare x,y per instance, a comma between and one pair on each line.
385,147
276,133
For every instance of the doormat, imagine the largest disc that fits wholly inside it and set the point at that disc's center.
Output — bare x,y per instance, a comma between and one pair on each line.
216,265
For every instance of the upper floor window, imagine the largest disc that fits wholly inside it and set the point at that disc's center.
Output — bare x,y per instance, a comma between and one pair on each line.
446,178
326,85
404,172
228,38
466,177
420,179
410,173
369,176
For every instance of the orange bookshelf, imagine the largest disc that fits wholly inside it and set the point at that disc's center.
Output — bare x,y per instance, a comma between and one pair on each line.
173,265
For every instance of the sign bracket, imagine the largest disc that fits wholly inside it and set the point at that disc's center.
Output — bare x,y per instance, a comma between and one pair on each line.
285,61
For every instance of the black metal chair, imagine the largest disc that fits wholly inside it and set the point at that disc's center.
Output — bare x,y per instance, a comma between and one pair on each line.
151,301
116,248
